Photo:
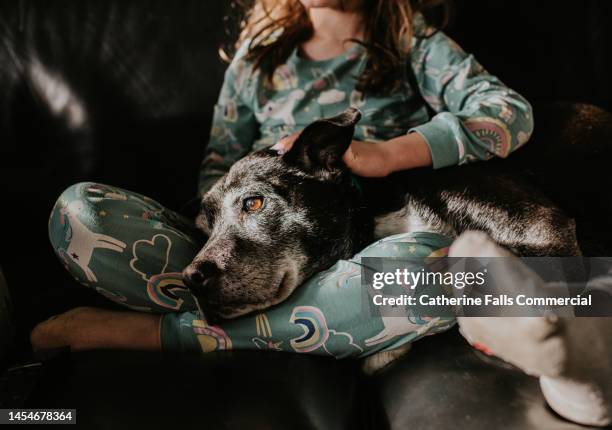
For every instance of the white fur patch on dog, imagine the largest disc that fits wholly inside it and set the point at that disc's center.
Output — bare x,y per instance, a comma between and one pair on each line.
407,220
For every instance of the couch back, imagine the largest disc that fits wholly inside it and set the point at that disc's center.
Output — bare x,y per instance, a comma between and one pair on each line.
113,91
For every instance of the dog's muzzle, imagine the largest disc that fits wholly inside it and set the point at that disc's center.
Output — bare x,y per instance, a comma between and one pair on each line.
200,277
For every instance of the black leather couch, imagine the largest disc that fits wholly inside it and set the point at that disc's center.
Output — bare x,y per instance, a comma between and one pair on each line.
121,92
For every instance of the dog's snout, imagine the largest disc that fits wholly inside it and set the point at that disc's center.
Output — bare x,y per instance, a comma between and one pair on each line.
198,275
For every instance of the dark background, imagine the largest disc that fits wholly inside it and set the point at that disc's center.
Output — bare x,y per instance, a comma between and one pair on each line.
145,74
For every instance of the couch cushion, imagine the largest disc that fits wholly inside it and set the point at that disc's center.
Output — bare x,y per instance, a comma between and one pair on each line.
444,383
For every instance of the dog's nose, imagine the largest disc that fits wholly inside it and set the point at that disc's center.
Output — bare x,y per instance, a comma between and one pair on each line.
198,275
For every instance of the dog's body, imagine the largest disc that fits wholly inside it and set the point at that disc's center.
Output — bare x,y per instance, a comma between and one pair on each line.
471,197
311,212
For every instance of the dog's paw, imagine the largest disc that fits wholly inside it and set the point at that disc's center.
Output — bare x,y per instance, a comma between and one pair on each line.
381,360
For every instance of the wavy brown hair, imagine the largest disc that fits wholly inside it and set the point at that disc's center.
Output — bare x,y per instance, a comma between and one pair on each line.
275,27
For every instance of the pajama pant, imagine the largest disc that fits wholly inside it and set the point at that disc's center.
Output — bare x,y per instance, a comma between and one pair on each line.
132,250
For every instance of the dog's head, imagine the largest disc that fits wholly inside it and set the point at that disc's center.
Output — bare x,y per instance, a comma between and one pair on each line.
276,219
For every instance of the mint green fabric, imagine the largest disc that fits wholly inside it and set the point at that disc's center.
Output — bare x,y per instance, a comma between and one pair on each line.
477,116
132,250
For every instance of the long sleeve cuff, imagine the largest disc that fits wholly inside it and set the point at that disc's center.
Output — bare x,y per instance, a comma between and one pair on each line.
441,141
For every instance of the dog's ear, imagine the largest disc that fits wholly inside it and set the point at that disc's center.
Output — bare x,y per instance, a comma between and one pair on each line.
322,144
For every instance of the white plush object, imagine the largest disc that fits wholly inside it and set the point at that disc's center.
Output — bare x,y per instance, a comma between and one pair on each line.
571,356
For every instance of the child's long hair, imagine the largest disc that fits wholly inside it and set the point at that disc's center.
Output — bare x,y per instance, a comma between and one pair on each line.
276,27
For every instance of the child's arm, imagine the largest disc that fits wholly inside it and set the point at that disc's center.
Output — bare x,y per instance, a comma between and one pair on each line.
234,127
478,117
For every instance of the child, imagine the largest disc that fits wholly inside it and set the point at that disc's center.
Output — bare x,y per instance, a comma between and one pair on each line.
303,60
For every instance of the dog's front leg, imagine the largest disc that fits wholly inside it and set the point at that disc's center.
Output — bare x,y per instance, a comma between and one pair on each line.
87,328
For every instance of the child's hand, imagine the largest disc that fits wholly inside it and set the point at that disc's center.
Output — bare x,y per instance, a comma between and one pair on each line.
377,159
362,158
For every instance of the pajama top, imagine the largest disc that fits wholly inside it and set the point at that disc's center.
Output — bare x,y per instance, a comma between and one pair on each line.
476,116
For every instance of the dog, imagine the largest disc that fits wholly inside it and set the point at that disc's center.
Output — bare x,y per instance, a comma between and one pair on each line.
274,220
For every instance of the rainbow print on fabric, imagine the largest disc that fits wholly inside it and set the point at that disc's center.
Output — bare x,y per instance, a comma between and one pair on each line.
211,338
166,289
312,321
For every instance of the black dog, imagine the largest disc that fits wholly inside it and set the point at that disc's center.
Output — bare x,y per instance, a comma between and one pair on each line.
275,220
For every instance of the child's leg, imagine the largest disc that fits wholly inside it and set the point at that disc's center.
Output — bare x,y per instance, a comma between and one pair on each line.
132,250
572,356
125,246
91,328
328,315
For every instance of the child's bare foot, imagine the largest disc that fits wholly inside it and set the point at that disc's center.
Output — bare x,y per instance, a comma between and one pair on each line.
570,355
90,328
56,331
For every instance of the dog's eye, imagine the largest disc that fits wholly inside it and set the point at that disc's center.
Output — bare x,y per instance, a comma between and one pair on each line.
252,204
